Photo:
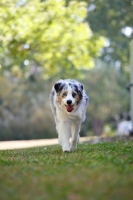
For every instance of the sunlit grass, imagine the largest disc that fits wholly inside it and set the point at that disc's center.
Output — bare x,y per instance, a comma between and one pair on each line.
100,171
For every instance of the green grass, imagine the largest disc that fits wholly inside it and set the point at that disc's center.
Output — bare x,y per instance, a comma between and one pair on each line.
100,171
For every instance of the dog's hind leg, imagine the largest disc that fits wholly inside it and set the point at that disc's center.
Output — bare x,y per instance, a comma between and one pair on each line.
64,135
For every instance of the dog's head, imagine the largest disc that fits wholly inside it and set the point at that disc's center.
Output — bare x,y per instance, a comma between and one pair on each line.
69,94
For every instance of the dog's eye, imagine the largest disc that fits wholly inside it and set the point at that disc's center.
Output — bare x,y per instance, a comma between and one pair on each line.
64,94
74,94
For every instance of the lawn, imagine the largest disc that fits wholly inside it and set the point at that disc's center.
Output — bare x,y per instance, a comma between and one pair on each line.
101,171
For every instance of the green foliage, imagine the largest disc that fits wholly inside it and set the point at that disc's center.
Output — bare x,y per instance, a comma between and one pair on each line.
106,88
109,18
25,111
48,34
101,171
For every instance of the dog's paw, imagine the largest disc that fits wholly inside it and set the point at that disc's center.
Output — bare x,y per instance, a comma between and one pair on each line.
73,147
66,151
66,148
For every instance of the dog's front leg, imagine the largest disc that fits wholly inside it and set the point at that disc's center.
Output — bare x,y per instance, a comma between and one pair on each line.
64,135
75,135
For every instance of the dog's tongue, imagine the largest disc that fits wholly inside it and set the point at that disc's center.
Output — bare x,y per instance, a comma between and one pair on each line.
69,108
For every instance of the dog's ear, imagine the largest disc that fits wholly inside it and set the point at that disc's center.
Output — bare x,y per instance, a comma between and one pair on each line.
80,89
58,86
81,86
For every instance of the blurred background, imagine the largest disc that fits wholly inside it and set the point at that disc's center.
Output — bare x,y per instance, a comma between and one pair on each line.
43,41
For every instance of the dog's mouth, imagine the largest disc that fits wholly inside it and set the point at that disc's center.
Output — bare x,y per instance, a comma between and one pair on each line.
69,108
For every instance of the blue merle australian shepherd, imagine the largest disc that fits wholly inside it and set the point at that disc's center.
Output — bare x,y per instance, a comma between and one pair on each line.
68,102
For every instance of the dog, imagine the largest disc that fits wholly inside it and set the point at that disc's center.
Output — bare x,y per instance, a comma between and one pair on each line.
68,101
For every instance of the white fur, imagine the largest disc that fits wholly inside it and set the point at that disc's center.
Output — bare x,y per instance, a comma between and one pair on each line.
68,123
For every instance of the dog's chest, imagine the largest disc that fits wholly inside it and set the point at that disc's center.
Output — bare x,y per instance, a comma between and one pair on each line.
71,117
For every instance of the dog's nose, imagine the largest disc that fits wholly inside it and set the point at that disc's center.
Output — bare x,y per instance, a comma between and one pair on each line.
69,102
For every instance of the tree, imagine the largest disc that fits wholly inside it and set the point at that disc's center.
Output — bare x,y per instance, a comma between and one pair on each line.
113,20
48,34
